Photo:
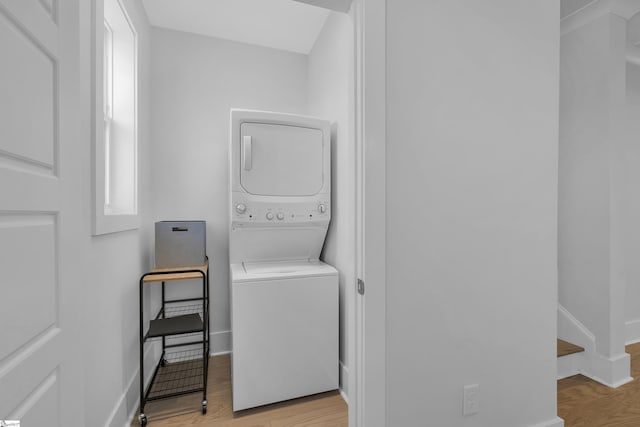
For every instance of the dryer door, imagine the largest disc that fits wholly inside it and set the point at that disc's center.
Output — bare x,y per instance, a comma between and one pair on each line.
280,160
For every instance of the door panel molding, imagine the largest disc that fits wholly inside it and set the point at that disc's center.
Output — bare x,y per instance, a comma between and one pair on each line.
27,368
29,266
30,134
51,7
42,393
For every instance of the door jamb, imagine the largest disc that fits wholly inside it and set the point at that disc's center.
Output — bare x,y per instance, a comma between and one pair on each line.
369,316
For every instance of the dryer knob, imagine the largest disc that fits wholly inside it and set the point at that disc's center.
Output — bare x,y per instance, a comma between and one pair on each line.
269,216
280,216
241,208
322,208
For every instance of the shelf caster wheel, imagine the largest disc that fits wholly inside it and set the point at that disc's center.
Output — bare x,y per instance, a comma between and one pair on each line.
163,363
143,420
204,407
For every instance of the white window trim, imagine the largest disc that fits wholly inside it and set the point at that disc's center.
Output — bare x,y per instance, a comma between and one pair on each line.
103,223
107,109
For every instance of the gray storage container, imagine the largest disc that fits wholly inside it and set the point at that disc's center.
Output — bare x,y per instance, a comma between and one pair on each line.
180,243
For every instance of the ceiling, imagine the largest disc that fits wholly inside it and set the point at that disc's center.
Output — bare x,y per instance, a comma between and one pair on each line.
624,8
567,7
281,24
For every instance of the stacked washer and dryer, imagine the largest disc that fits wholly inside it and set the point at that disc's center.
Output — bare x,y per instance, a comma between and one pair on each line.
284,300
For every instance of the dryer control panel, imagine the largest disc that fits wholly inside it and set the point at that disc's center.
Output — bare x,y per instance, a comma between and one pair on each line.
269,213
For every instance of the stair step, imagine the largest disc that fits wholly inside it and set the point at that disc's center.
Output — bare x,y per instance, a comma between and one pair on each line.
566,348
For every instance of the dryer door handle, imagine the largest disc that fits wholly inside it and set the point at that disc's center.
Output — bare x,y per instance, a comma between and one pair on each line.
246,152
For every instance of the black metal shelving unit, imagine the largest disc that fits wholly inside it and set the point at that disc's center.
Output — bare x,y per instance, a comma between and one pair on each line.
184,365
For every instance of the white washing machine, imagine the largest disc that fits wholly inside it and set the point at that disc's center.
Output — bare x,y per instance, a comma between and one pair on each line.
284,300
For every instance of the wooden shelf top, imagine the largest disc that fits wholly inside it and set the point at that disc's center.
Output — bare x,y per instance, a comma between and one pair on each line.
177,273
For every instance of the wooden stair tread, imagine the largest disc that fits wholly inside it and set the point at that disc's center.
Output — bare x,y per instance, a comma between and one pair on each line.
566,348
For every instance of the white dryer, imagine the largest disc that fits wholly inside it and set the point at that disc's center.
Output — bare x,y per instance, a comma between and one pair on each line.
284,301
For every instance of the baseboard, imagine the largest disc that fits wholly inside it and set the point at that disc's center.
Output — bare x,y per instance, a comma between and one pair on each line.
570,365
344,382
120,409
127,405
556,422
572,330
612,372
220,343
632,331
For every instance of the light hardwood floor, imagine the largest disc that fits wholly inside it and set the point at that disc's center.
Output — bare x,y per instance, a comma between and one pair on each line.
322,410
566,348
585,403
581,403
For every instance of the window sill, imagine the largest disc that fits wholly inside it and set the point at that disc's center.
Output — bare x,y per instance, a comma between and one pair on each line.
107,224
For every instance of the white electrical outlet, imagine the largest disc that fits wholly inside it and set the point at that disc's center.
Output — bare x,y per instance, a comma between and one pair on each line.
471,401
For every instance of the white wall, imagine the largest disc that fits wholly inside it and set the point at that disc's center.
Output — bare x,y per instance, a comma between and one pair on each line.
632,161
583,232
195,80
592,200
116,263
472,142
330,97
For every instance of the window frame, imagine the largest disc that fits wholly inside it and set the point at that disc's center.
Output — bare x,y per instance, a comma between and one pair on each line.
107,106
104,221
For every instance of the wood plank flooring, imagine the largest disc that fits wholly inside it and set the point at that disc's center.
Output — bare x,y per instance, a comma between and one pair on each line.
585,403
581,403
322,410
566,348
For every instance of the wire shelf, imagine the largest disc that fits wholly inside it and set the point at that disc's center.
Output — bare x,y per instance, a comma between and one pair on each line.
179,372
173,309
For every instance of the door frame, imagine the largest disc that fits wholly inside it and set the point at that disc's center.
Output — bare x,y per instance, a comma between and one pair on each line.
368,316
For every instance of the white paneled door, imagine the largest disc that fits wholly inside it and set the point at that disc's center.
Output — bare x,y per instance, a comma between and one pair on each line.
42,219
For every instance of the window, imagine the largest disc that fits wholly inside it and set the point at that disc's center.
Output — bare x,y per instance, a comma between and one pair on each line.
116,129
107,108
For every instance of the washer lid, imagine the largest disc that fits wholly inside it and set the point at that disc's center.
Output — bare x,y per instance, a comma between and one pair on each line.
253,271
